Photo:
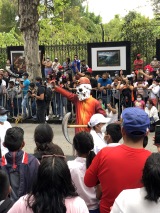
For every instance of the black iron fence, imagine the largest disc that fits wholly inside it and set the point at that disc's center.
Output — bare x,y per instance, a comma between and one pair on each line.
147,48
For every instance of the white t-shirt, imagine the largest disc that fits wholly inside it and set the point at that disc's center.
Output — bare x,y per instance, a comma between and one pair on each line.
115,92
98,139
153,112
3,129
88,194
3,83
141,90
114,117
114,144
154,92
133,201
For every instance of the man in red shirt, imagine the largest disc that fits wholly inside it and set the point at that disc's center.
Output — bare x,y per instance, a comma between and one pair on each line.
138,63
119,168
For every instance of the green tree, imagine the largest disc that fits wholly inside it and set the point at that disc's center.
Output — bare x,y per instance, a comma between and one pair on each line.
140,31
8,13
28,14
113,29
156,6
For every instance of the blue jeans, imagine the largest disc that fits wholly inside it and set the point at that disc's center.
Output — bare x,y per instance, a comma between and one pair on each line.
19,105
106,100
64,104
25,105
31,107
57,104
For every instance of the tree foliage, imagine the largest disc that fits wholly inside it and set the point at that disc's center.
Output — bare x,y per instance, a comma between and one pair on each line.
8,12
68,20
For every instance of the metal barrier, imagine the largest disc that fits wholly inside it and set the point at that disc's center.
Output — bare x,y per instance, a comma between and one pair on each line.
24,105
19,105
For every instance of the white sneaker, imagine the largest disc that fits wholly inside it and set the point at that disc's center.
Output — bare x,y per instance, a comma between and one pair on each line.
60,118
53,116
47,118
57,116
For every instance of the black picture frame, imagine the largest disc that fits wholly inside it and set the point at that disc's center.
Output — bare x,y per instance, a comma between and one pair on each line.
124,48
16,51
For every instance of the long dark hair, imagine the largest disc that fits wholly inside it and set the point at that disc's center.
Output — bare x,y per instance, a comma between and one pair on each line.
151,177
53,185
83,144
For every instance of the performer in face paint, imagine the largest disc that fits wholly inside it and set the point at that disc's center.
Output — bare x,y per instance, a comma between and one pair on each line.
85,104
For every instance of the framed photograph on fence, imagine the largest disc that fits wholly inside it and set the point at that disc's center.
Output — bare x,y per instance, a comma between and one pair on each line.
109,56
18,59
16,56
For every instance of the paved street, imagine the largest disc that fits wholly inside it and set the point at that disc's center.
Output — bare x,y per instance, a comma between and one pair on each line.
59,138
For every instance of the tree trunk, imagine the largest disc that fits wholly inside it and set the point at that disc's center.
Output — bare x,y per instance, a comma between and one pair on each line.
28,14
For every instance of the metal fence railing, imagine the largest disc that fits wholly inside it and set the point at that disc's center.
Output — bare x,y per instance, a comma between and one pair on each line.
147,48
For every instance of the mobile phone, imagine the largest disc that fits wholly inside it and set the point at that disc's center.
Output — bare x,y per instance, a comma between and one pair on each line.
157,134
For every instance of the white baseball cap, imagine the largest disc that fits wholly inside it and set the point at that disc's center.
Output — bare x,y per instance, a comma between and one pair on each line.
98,118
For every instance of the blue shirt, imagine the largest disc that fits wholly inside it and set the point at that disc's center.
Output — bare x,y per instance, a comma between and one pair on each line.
77,63
26,84
104,83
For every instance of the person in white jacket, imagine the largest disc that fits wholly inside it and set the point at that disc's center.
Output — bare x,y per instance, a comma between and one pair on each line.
146,199
98,125
152,113
154,91
4,125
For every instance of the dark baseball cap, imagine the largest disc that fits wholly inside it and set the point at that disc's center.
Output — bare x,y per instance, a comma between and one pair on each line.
3,111
135,121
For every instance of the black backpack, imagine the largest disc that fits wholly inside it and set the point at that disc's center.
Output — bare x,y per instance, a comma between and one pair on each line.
48,94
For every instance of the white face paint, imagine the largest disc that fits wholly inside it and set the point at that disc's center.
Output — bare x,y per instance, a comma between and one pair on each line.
83,91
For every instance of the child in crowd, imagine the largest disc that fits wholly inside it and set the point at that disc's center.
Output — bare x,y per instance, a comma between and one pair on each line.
113,134
101,102
83,144
139,102
111,113
5,202
43,137
20,166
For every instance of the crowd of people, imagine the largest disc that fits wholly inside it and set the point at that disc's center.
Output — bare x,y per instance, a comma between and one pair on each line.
112,170
39,101
115,177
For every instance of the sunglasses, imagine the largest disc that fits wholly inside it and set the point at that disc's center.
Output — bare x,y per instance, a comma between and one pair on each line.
58,156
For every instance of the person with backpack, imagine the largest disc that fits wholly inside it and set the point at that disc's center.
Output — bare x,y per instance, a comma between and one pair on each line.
53,192
40,101
21,167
